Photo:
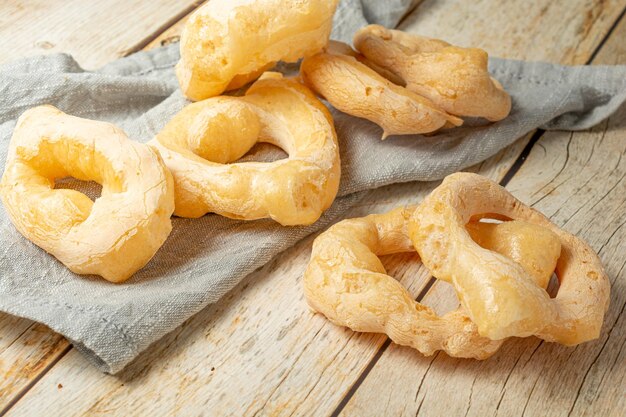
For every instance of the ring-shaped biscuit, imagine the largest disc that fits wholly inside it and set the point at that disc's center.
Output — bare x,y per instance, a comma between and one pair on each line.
346,281
455,79
112,237
499,295
346,82
199,143
228,43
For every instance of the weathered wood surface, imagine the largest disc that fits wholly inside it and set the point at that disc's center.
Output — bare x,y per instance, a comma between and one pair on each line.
33,27
586,194
579,181
27,350
507,29
94,32
260,349
172,33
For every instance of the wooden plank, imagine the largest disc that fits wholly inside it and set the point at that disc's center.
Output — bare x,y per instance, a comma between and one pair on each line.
260,349
94,32
509,30
27,349
172,34
30,350
237,320
579,181
222,359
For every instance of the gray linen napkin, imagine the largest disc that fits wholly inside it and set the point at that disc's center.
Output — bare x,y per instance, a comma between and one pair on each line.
204,258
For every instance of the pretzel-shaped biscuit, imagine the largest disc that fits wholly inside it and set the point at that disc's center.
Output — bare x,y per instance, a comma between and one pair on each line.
118,233
350,84
455,79
499,295
346,281
200,141
227,43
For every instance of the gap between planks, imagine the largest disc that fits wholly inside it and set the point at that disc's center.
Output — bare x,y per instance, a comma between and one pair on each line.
368,368
510,173
147,42
32,382
536,135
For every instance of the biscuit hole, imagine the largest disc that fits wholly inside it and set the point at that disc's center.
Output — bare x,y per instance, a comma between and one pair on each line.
263,152
553,286
490,220
441,297
91,189
486,241
407,268
65,161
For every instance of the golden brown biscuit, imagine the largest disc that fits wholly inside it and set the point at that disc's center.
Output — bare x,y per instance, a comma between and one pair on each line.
199,144
228,43
498,294
339,76
346,281
118,233
455,79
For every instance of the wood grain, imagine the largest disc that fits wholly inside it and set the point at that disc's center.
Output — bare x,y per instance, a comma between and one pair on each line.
260,349
508,29
27,349
172,33
94,32
579,181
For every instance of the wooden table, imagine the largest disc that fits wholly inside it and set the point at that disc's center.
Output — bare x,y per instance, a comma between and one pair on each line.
261,350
